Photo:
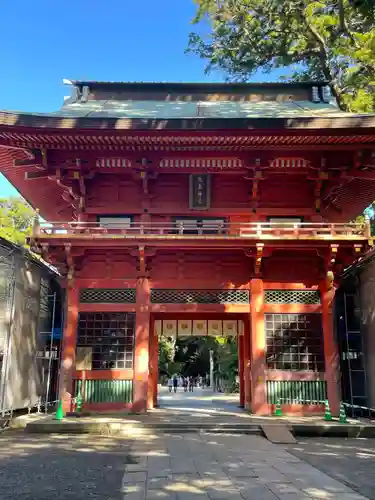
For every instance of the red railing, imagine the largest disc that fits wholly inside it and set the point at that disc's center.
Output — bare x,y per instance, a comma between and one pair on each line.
222,230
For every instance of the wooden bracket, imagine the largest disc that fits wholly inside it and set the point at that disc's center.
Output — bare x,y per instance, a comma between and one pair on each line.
318,189
144,177
43,153
258,258
144,163
69,262
82,186
357,250
332,256
142,260
82,192
257,176
37,158
142,255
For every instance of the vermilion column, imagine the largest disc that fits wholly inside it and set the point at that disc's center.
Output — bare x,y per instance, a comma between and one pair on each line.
241,369
153,371
257,354
142,338
331,352
68,355
156,369
246,365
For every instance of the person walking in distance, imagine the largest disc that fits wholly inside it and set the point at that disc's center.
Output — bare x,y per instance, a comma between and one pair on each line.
170,384
185,383
175,384
191,384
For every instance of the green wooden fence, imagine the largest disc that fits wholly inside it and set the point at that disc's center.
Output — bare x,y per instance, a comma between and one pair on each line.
296,391
105,391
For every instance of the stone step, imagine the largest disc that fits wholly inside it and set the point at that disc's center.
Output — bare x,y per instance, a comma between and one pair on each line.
278,434
131,427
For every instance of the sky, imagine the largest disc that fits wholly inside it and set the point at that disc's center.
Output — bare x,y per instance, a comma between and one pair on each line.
44,41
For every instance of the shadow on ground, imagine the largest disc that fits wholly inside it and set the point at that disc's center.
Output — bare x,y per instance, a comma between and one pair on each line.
351,461
61,466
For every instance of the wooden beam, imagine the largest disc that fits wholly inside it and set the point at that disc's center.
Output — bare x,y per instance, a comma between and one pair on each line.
359,174
44,174
28,162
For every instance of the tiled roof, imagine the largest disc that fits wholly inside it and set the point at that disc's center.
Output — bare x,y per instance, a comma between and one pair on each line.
176,109
181,115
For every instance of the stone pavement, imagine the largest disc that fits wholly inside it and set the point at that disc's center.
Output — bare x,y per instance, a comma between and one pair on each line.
209,466
192,466
350,461
175,466
61,467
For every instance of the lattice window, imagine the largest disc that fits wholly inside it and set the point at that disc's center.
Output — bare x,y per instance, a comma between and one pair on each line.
108,339
105,391
201,163
113,163
294,342
108,295
305,392
292,297
169,296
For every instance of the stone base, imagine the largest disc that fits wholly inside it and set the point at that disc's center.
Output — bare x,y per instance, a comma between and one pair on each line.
131,426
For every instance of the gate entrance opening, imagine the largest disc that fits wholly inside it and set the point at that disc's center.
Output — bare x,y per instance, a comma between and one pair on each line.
208,350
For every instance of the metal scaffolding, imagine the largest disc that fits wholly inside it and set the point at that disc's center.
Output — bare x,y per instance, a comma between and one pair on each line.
7,291
49,339
351,348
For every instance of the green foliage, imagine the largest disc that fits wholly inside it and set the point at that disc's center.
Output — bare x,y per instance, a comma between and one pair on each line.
190,356
167,366
330,40
227,359
16,219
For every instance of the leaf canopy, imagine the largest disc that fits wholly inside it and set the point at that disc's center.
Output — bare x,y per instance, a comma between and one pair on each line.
330,40
16,220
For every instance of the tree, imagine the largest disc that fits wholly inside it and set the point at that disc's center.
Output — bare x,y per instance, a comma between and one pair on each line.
167,364
226,357
191,357
330,40
16,220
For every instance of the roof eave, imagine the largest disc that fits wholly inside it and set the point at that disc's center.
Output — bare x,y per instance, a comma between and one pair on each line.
211,86
14,121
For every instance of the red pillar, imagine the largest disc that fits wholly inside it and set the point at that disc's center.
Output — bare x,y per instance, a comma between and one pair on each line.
142,338
153,372
246,365
241,369
68,355
258,383
331,353
156,369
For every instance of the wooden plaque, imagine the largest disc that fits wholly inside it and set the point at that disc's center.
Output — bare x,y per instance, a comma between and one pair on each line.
200,191
84,358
